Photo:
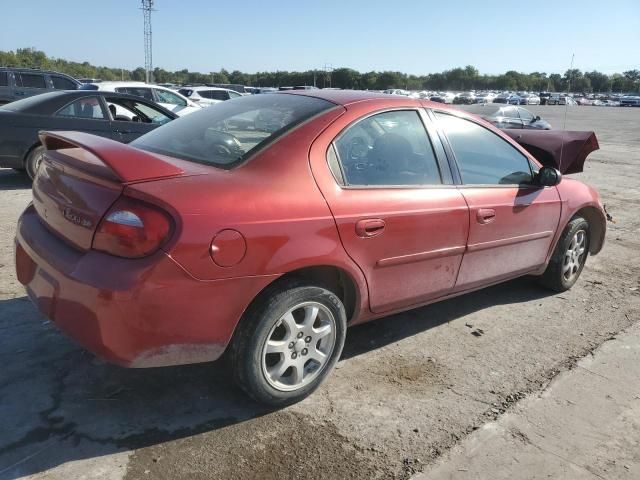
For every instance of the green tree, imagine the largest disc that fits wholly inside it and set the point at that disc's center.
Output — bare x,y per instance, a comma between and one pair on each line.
599,81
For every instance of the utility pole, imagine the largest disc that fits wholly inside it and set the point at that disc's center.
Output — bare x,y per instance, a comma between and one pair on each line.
147,8
328,70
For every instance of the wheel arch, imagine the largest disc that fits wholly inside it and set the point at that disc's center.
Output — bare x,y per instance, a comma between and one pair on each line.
28,152
336,279
597,226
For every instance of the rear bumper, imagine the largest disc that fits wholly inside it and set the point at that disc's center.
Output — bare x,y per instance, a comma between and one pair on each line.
135,313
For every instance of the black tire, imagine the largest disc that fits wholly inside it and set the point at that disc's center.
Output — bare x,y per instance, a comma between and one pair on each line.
565,267
249,360
32,163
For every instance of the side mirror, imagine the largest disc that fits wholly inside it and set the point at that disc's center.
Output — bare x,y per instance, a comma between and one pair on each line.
548,177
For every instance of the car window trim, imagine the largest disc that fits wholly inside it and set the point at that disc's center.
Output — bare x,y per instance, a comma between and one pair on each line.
346,186
446,173
451,160
102,108
483,185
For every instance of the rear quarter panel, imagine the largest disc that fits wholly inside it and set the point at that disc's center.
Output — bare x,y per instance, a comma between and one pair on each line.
272,200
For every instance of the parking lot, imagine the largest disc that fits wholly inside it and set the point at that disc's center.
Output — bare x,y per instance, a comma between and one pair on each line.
408,387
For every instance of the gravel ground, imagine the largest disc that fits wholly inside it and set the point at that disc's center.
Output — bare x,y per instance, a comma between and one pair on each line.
408,388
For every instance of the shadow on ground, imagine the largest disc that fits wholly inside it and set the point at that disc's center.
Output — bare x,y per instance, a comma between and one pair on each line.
59,404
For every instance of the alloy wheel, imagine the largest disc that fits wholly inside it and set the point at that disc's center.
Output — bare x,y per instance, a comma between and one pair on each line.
575,255
298,346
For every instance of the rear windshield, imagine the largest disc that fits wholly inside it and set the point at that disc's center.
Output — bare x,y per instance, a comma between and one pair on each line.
227,133
29,103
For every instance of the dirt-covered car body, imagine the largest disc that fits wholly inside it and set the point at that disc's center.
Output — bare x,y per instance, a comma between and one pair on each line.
391,202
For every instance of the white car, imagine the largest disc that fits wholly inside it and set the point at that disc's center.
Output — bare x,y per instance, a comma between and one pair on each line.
207,96
165,97
397,91
485,98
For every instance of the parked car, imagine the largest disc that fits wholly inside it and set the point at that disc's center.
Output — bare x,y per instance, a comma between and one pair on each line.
207,96
544,96
502,97
113,115
529,99
485,98
560,99
517,99
445,97
207,235
165,97
397,91
466,98
630,100
18,83
509,116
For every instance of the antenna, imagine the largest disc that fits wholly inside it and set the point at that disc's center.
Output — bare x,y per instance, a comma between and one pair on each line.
566,107
147,8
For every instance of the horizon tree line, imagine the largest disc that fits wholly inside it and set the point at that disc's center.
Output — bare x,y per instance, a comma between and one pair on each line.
467,78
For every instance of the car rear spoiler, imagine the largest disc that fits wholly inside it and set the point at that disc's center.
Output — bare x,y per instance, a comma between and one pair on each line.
562,149
127,163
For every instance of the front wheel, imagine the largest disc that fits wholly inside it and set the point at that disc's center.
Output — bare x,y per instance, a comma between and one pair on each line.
288,342
569,257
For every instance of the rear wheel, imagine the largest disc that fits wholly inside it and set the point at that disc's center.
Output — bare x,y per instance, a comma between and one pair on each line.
33,161
569,257
288,342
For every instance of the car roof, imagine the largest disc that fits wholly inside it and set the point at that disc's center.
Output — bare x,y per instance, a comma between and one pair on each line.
345,97
47,103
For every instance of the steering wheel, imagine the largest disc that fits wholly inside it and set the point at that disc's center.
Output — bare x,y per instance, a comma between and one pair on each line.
357,149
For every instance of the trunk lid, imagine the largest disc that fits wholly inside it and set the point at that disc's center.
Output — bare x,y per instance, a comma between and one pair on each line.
82,175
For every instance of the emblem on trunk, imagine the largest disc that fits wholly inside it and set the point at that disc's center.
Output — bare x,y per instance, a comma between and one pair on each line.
75,217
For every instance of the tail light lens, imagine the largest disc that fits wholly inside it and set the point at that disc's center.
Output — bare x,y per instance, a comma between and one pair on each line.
132,229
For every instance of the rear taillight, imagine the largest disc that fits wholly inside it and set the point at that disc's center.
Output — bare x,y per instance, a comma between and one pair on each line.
132,229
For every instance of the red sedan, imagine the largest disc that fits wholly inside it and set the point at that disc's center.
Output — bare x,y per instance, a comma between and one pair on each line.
264,226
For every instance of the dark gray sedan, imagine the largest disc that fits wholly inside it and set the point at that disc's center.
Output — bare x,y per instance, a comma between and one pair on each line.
117,116
508,116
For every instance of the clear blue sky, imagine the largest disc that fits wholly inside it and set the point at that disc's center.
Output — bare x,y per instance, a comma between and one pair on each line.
411,36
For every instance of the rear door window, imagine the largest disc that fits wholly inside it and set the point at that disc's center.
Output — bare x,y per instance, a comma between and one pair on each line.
4,79
390,148
61,83
87,107
30,80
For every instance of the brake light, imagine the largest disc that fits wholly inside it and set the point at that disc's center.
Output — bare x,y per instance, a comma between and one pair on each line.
132,229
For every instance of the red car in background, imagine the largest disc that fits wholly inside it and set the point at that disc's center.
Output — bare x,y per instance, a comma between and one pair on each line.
265,226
